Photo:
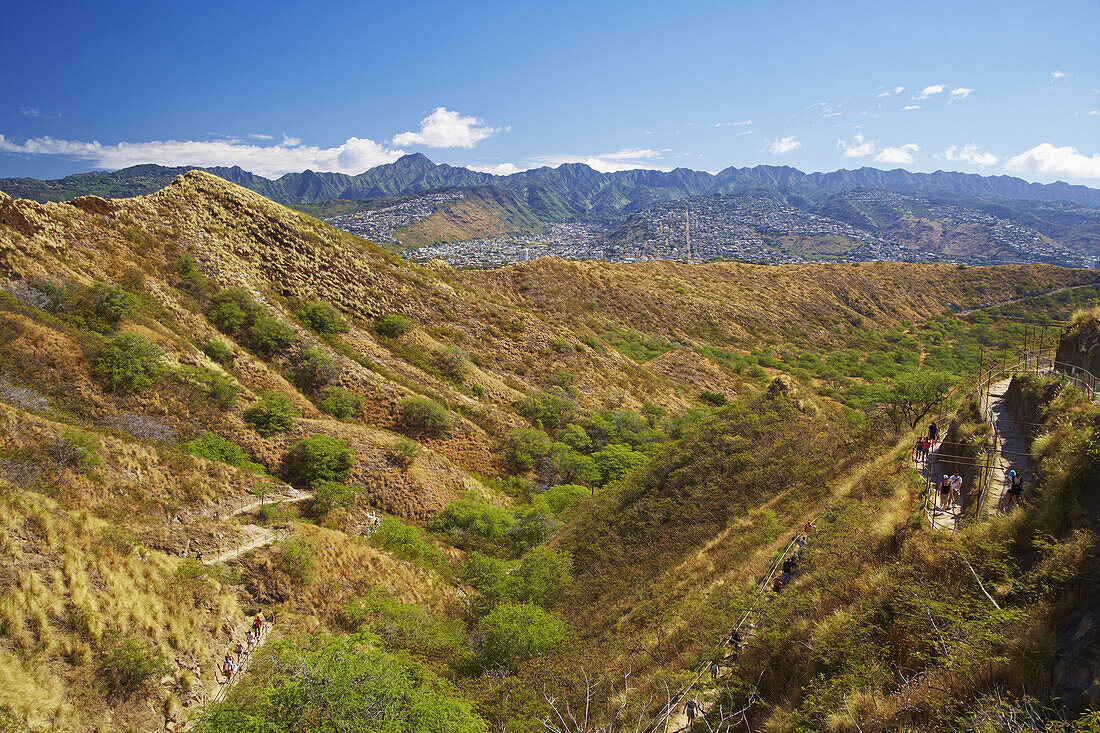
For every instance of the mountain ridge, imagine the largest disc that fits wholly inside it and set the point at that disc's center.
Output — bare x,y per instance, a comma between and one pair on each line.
570,189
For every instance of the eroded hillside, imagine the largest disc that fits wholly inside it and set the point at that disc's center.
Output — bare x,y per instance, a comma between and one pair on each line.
207,397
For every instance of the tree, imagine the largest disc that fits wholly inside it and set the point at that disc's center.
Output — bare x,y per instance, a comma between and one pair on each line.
515,632
341,403
129,362
525,447
393,325
541,576
419,414
916,395
317,458
321,317
274,413
617,460
571,467
329,495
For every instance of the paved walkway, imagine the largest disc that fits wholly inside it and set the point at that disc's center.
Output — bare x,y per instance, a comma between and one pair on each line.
1011,448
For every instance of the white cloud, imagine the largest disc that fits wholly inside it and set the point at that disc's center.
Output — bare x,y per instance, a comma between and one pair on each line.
899,90
445,128
1059,75
622,160
1052,161
742,123
900,154
261,136
969,154
355,155
33,112
908,107
746,132
883,94
928,91
1094,112
959,93
859,149
291,142
783,145
500,169
887,93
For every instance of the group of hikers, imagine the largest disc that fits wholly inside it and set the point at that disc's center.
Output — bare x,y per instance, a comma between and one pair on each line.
950,490
923,448
736,640
240,651
1014,489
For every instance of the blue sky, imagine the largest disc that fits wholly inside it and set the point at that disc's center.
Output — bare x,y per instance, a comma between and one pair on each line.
986,87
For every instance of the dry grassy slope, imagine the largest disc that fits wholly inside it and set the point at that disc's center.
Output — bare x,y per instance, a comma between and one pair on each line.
469,218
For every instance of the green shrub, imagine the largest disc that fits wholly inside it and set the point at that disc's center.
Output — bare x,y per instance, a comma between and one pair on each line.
76,449
451,362
713,398
532,527
422,415
127,664
329,495
561,498
220,389
550,409
406,450
407,542
471,515
315,369
525,447
129,362
393,325
341,403
322,317
317,458
562,346
402,624
216,448
488,576
191,278
575,437
270,336
541,577
274,413
617,460
231,309
572,467
218,352
516,632
296,560
102,306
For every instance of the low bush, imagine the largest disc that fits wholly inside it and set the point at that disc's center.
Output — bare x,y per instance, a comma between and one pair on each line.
220,389
515,632
525,448
270,336
218,352
318,458
422,415
77,450
191,279
216,448
314,369
393,325
407,542
127,664
472,518
128,362
321,317
561,498
296,560
101,307
341,403
330,495
274,413
451,362
406,451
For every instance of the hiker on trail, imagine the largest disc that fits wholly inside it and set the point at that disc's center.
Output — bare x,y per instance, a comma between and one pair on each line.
228,667
945,491
250,639
1015,488
714,669
927,447
239,650
956,487
691,709
933,432
918,450
735,641
788,565
777,585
